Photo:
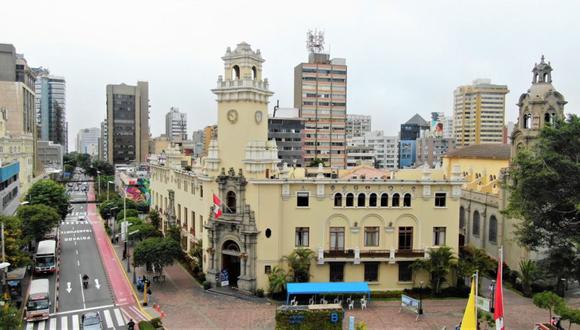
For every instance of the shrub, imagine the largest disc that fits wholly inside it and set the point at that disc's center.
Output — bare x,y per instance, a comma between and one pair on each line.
200,276
260,293
156,322
206,285
386,294
145,325
288,317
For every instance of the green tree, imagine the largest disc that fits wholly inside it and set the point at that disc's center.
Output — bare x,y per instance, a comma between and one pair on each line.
14,242
131,213
174,233
9,318
157,252
155,218
49,192
146,230
438,265
299,262
37,220
315,162
277,280
569,314
547,300
528,274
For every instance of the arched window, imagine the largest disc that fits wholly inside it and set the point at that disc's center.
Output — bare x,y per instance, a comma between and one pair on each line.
338,200
231,202
349,200
493,229
395,202
235,72
254,73
361,200
528,120
384,200
461,218
373,200
407,200
476,219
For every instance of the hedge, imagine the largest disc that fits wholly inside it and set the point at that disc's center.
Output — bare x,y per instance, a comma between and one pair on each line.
302,318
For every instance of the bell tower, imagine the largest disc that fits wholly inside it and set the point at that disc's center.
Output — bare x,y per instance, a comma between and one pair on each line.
540,106
242,97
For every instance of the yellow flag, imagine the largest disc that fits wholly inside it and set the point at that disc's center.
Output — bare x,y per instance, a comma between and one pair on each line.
469,321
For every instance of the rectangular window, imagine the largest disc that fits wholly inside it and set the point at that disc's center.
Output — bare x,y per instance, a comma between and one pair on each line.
336,272
201,190
371,271
405,272
192,189
192,229
405,238
267,269
337,238
371,236
440,199
302,236
201,223
439,236
185,224
185,185
302,199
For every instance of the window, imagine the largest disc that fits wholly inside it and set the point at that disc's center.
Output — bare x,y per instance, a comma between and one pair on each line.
373,200
361,200
405,238
338,200
337,238
384,200
371,236
407,200
231,202
192,189
461,218
440,199
476,219
267,269
405,272
201,190
493,229
336,272
302,235
349,200
371,271
439,236
302,199
201,223
395,202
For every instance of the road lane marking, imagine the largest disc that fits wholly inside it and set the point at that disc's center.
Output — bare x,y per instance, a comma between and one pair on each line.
68,288
108,319
77,251
119,317
41,325
29,325
78,263
82,291
64,323
75,322
52,324
83,310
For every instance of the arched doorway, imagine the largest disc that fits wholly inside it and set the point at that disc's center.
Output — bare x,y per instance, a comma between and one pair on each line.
231,261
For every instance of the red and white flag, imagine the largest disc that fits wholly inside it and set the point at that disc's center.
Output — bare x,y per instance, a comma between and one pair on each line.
498,295
217,207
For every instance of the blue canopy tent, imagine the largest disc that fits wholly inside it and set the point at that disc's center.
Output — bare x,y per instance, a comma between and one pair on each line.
315,288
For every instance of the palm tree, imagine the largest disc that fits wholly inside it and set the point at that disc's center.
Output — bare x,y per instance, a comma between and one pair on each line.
438,266
299,262
528,274
277,282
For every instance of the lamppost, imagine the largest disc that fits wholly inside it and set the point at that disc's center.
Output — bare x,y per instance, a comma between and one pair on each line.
114,215
99,181
108,183
420,309
491,295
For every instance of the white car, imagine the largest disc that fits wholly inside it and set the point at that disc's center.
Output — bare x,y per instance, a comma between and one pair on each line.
82,218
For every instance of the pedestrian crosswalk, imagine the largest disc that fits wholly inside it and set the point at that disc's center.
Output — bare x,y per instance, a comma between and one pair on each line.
111,318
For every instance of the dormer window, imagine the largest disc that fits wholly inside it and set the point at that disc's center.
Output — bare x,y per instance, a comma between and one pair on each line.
235,72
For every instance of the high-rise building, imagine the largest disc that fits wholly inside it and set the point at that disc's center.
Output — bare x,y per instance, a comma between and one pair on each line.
87,141
17,104
441,125
431,149
386,148
358,155
50,106
103,142
287,129
413,129
12,151
197,138
50,155
209,133
127,123
479,112
320,95
176,125
357,125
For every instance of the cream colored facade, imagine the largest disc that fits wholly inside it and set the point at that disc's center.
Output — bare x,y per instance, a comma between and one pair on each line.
362,224
158,144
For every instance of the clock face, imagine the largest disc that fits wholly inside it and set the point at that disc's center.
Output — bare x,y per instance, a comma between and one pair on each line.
233,116
258,116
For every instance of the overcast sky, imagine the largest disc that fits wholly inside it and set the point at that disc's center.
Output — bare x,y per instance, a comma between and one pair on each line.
403,57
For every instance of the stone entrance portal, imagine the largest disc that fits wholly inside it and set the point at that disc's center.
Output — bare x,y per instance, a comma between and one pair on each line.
231,261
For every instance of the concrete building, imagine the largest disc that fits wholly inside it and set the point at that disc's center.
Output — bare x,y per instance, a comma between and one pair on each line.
209,133
50,155
104,142
479,112
17,105
414,128
127,123
159,144
50,104
386,148
197,138
320,94
357,125
357,155
176,125
287,129
12,153
441,125
87,141
363,224
430,150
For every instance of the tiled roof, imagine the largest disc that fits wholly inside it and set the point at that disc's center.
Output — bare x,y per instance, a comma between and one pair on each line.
484,151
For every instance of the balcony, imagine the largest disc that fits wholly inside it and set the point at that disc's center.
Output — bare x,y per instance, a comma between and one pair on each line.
356,255
403,253
339,254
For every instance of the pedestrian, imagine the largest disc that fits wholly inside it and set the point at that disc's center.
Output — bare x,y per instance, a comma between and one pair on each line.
131,325
559,324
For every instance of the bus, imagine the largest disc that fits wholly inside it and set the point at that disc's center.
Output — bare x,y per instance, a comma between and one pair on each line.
45,257
38,301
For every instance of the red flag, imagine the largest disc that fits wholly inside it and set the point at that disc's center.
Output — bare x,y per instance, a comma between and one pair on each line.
217,207
498,295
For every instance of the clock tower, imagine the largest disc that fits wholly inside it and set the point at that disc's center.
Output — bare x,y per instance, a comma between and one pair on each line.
242,97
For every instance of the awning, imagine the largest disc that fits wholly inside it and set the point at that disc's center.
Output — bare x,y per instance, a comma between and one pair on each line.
312,288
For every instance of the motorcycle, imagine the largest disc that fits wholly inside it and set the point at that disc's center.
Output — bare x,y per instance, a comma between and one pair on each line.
85,281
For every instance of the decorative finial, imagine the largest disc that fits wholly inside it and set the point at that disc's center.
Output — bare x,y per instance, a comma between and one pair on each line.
542,58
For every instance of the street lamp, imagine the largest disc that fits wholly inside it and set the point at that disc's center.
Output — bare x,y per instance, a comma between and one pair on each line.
99,181
420,310
108,183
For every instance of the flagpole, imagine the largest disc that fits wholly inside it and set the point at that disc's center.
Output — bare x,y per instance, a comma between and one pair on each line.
476,291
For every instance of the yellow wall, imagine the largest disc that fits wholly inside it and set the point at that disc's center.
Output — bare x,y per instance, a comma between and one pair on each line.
486,167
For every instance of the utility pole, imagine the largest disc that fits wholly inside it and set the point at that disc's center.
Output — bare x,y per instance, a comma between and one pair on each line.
3,256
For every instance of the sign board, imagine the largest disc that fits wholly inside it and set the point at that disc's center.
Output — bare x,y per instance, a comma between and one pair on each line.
224,278
483,304
411,304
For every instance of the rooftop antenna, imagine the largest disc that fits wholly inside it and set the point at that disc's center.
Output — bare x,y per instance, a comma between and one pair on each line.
315,41
276,107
